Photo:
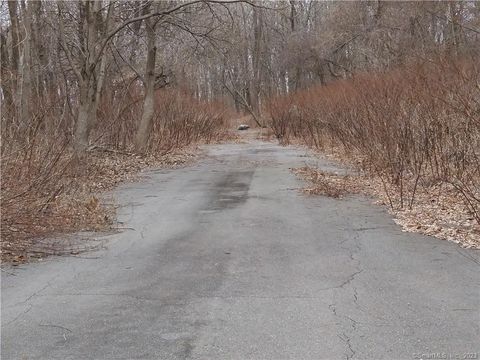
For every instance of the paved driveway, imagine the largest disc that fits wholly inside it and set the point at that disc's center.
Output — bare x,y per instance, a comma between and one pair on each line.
225,259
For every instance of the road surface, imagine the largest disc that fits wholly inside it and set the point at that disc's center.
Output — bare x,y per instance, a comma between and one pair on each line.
226,259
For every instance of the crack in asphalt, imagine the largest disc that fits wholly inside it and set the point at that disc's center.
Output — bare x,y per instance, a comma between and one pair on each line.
36,293
346,339
468,257
28,300
20,314
56,326
349,279
352,250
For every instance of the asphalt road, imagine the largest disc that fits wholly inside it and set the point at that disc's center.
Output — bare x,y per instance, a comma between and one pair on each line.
225,259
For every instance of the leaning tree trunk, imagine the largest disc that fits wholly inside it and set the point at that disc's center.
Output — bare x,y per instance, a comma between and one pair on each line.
145,125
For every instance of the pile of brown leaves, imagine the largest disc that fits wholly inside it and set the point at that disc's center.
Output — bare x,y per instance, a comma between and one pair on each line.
328,184
437,210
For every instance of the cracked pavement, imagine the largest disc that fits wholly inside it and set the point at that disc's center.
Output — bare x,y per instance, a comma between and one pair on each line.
225,259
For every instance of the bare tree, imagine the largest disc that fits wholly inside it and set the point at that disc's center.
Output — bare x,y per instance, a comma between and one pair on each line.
144,127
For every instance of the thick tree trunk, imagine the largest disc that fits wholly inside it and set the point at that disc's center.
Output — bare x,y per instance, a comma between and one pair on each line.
90,75
145,125
86,111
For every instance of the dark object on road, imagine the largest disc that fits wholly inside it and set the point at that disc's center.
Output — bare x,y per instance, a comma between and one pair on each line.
243,127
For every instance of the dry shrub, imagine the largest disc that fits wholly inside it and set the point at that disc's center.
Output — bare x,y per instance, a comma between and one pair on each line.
42,193
179,121
46,190
418,126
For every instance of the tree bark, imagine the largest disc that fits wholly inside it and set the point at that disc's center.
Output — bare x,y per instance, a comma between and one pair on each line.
25,86
12,10
85,114
257,49
87,81
145,125
16,82
102,69
6,77
90,76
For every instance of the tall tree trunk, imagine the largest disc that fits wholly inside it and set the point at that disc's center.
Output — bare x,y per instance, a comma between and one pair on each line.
145,125
26,70
296,80
102,69
257,50
82,126
455,26
90,75
12,10
6,74
43,75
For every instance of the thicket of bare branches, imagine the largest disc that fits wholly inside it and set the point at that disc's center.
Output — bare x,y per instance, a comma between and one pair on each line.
406,102
414,126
